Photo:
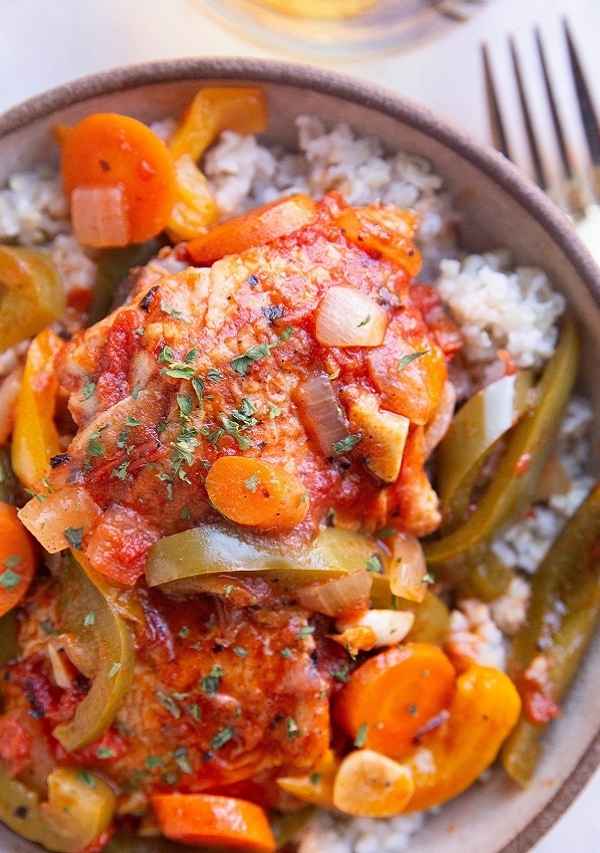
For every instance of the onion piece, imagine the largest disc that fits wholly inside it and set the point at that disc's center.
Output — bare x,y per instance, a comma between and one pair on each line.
440,421
348,318
321,412
408,568
338,596
47,520
383,436
389,626
99,216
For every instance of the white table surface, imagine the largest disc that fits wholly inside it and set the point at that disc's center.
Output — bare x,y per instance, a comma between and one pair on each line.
47,42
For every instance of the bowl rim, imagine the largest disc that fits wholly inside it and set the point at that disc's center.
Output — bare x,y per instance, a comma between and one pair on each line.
397,106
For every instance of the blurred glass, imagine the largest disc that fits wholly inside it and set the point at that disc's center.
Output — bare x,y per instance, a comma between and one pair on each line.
338,28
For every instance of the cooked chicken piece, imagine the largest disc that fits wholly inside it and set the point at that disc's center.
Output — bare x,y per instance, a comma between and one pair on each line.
209,361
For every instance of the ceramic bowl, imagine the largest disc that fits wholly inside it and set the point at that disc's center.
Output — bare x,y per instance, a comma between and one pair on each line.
499,208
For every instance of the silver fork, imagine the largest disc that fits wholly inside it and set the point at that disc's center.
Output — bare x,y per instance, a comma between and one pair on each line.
578,189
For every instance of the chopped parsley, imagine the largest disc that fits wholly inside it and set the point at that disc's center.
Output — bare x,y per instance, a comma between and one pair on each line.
90,619
114,669
305,631
222,737
87,778
181,760
177,370
105,752
88,389
361,736
74,536
9,579
120,472
169,704
406,359
211,682
172,312
346,444
365,321
252,483
214,375
240,651
241,363
373,564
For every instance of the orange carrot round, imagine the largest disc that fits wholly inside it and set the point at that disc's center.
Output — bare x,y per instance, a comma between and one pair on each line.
17,559
261,225
122,156
214,820
394,695
255,493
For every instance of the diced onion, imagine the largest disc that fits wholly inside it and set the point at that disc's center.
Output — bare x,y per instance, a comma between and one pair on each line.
388,626
408,568
348,318
338,596
99,216
60,673
72,507
322,413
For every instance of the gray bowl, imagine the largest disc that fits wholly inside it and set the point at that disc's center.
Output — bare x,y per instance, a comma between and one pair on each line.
500,208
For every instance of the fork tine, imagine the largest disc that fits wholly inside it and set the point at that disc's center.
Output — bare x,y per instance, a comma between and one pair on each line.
499,137
586,108
540,175
573,189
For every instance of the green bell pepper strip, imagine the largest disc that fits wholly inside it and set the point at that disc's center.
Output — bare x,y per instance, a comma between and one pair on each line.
114,266
473,434
221,549
486,577
520,467
79,808
106,642
563,611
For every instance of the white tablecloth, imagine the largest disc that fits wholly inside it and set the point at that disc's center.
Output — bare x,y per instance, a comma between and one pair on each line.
47,42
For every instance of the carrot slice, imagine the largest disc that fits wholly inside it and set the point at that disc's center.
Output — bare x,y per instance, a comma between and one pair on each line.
261,225
114,152
18,559
394,695
214,820
258,494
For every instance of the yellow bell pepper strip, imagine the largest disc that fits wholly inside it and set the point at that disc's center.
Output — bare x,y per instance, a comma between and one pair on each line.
220,548
33,294
35,437
106,655
521,465
195,208
484,709
79,808
472,436
563,611
213,110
